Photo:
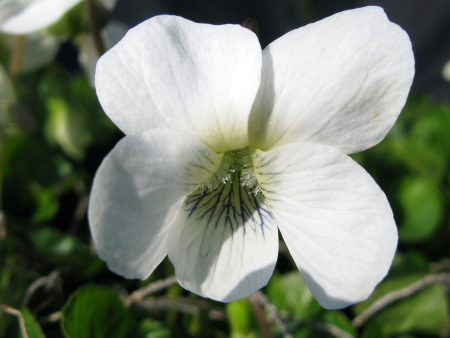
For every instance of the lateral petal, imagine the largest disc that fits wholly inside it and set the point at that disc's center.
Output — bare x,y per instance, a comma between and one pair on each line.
136,194
334,219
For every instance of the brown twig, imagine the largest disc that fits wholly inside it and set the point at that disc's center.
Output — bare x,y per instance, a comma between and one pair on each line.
279,320
82,205
48,282
260,317
251,24
16,58
274,316
149,289
95,27
3,229
397,295
16,313
441,265
180,304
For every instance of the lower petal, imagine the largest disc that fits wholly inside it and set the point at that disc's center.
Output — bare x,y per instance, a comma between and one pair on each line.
136,193
223,242
335,220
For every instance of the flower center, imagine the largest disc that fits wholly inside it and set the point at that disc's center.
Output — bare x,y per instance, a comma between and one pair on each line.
231,196
236,168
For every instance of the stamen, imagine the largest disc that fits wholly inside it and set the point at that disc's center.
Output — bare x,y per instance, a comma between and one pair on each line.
231,196
234,162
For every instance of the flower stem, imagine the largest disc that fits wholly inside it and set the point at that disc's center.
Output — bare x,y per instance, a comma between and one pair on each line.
15,63
95,27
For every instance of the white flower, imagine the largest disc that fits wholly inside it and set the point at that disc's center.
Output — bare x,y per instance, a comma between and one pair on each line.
27,16
227,144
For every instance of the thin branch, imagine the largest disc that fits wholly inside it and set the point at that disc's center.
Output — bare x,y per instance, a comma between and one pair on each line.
273,314
180,304
149,289
251,24
16,313
329,328
52,317
279,320
82,205
260,317
16,58
442,265
397,295
3,229
92,11
48,282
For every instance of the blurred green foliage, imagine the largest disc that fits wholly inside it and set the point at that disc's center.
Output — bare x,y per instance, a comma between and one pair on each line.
96,312
54,135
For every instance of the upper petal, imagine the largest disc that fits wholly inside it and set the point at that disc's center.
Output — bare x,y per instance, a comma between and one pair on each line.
223,243
27,16
136,193
171,72
335,220
341,81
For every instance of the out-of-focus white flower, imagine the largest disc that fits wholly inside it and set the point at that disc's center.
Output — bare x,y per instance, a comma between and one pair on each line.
108,4
40,50
226,145
19,17
446,71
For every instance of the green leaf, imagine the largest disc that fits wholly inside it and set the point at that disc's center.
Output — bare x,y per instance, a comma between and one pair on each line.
408,263
95,311
46,201
74,120
424,312
150,328
65,129
290,293
432,128
24,169
421,202
31,325
72,23
53,242
241,319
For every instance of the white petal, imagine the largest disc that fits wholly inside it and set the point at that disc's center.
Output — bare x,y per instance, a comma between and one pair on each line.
335,220
136,193
341,81
223,244
171,72
28,16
